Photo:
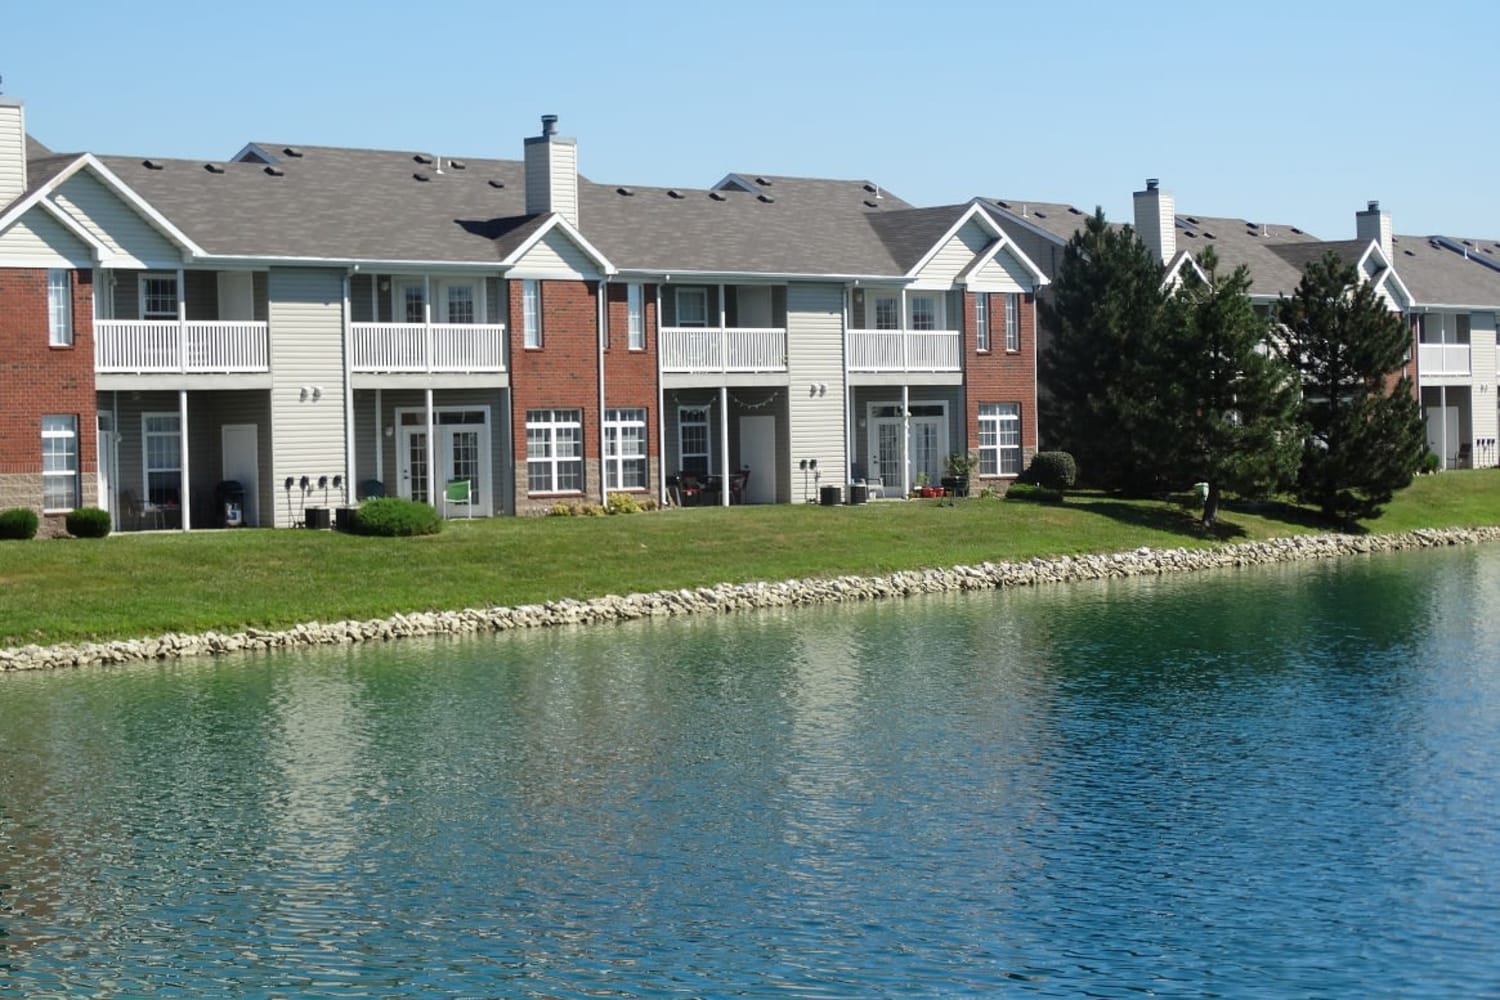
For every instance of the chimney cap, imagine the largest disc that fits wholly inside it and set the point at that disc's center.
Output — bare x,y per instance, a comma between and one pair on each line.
1152,183
1374,206
549,124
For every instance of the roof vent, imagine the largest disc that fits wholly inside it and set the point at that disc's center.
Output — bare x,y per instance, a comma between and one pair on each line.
422,158
1410,254
1191,221
549,124
274,171
1208,235
1002,204
1296,230
765,198
1074,211
457,164
292,151
716,195
870,188
625,191
871,203
674,193
763,182
496,184
1040,215
1190,234
214,168
151,164
419,176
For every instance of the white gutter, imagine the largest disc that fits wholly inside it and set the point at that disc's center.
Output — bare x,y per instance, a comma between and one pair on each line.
603,339
348,332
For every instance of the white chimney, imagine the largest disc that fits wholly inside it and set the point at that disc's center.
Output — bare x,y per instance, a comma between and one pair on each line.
1156,221
1373,224
12,150
552,173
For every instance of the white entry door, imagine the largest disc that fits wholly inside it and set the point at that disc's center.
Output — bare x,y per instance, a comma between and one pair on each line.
108,456
1442,433
462,452
758,452
927,448
241,449
413,463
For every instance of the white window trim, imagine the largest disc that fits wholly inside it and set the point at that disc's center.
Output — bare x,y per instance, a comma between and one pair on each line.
1012,322
71,475
146,467
702,295
531,313
443,290
939,310
998,451
635,316
873,318
708,436
59,308
616,420
982,322
148,276
552,460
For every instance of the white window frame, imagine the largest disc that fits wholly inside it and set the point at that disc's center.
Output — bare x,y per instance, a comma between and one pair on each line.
59,307
885,312
625,448
1000,439
59,461
684,413
475,290
147,468
982,322
635,316
935,301
684,294
142,296
1012,322
548,432
531,313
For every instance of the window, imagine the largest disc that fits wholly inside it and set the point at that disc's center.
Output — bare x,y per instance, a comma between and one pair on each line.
459,304
554,451
158,296
625,449
887,313
923,312
162,446
60,308
999,439
1012,321
635,317
982,322
692,307
1462,327
531,312
412,305
59,462
693,440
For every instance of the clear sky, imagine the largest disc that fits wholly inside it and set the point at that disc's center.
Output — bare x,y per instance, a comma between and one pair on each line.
1287,112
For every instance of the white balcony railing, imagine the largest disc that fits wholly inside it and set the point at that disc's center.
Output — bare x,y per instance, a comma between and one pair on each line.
905,350
1443,359
731,349
429,347
148,345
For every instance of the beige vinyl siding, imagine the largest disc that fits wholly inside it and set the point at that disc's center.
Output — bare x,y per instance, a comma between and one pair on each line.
12,150
1482,370
955,256
307,316
1001,272
815,355
36,239
555,256
552,178
115,224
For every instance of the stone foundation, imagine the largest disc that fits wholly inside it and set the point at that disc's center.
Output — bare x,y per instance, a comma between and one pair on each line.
730,597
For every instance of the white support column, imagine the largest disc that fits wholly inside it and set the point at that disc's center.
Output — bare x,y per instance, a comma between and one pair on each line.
603,320
905,439
905,335
1443,423
427,321
724,446
661,409
184,502
849,450
723,340
432,476
182,348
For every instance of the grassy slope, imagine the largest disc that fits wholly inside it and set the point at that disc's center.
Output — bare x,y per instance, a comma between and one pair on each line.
135,585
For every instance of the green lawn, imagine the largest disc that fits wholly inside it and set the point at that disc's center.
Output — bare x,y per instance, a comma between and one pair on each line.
136,585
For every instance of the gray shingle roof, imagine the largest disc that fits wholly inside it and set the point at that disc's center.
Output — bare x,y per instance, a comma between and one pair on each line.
1437,275
1057,218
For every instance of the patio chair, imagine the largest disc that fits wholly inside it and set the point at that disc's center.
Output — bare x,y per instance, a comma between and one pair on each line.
689,488
737,484
371,489
874,488
138,512
459,491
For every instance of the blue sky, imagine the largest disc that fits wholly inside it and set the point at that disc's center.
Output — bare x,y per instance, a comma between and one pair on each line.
1295,113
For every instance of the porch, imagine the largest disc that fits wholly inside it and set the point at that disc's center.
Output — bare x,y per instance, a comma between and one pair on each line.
899,330
731,442
723,329
182,322
903,435
428,348
1457,431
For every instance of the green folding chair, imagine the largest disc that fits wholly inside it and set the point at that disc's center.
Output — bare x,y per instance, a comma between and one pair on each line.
459,491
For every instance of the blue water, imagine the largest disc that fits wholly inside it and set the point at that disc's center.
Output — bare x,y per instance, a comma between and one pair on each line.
1259,783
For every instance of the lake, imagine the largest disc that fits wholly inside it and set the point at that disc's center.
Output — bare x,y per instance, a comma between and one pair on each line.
1271,782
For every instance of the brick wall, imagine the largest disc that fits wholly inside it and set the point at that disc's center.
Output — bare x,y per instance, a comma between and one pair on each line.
562,374
38,380
630,376
1001,376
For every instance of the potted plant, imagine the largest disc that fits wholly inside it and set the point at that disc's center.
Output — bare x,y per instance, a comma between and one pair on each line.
921,487
958,465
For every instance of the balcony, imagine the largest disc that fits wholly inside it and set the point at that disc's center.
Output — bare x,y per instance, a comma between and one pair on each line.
1443,359
144,345
424,348
700,349
905,350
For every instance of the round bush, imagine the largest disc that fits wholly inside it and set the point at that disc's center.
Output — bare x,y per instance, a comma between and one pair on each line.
392,517
1054,470
88,522
18,523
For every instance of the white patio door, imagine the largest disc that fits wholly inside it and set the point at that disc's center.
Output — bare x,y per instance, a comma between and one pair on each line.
928,447
108,456
412,462
928,435
885,449
462,452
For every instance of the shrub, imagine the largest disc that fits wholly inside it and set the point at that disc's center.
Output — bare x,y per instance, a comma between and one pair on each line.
591,510
391,517
88,522
18,523
1034,493
1054,470
562,509
622,503
1430,462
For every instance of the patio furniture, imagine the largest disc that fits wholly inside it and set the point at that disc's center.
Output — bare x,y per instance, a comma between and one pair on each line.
371,489
690,489
459,491
737,483
138,511
874,488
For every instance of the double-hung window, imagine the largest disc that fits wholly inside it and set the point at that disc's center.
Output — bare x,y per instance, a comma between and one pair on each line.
459,303
693,440
982,322
635,316
162,448
1012,321
59,462
999,439
158,296
554,451
531,312
924,314
692,307
625,449
60,308
887,313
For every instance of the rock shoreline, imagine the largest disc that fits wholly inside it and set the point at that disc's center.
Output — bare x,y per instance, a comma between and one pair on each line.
730,597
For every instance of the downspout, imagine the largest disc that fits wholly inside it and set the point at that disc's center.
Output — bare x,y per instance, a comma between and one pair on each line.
349,392
603,318
661,408
431,435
